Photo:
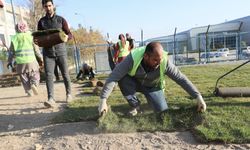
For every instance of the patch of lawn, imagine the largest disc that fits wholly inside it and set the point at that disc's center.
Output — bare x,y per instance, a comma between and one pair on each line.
226,119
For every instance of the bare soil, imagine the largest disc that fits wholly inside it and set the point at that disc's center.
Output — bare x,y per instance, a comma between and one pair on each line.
25,125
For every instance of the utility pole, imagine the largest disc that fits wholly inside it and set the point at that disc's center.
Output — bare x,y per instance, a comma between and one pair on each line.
142,37
13,12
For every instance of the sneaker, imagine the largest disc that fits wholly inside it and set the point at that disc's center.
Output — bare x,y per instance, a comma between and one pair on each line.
50,103
133,112
34,89
29,93
58,79
68,98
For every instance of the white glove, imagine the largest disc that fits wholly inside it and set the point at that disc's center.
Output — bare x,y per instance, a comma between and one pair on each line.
201,104
103,107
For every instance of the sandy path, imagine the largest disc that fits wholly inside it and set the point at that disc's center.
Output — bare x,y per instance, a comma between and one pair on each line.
25,125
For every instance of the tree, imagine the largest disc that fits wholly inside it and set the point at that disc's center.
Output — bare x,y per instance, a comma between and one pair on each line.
82,36
36,12
86,40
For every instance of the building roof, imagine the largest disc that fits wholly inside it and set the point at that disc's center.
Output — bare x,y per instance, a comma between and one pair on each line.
180,36
223,27
229,26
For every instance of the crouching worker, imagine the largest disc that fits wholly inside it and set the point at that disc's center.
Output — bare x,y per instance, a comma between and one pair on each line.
143,71
24,51
86,71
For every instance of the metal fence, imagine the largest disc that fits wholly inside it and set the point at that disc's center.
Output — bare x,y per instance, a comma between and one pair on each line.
94,55
213,47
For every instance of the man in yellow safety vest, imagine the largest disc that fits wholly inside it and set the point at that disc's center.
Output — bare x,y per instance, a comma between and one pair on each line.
144,71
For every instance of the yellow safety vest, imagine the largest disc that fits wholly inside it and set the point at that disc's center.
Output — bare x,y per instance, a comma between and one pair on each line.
23,47
137,55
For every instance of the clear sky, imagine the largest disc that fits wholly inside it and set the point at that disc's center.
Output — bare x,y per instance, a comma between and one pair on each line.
155,17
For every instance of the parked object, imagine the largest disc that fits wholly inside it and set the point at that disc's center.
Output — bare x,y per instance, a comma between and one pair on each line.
223,52
246,52
208,55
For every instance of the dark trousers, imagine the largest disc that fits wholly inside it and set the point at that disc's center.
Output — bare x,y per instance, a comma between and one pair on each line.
56,72
49,64
154,95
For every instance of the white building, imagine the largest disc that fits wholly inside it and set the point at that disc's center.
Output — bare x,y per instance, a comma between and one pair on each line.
7,25
230,34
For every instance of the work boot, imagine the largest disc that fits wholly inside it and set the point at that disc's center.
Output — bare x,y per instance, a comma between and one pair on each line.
68,98
50,103
34,89
133,101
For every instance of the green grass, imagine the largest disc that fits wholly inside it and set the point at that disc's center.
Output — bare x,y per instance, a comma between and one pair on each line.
226,119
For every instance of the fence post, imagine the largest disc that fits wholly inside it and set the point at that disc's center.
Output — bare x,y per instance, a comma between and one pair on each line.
238,42
75,59
174,50
238,50
78,57
206,49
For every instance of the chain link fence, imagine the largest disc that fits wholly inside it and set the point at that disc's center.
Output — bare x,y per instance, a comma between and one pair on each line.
207,48
204,48
94,55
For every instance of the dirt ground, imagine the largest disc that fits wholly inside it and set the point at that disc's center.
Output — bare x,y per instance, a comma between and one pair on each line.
25,125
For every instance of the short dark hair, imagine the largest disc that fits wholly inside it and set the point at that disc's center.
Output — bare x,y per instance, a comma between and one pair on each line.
151,47
46,1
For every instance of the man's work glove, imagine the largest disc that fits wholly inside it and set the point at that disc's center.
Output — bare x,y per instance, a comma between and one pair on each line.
103,107
201,104
9,65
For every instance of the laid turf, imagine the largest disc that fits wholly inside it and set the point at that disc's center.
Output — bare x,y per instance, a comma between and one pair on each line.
226,119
